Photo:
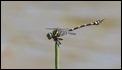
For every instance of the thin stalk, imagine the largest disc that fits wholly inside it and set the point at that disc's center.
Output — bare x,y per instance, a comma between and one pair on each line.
56,55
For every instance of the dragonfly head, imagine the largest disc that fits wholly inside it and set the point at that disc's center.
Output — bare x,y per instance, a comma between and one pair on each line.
49,36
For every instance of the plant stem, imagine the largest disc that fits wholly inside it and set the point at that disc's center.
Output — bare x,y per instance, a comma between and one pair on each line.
56,55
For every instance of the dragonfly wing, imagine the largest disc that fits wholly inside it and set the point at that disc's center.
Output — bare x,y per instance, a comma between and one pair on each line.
72,33
51,28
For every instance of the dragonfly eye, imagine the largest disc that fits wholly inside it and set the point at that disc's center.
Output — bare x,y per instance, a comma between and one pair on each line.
49,36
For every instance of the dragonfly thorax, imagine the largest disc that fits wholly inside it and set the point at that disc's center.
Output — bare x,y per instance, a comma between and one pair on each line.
53,34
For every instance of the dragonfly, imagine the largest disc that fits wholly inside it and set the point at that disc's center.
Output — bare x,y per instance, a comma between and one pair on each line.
56,33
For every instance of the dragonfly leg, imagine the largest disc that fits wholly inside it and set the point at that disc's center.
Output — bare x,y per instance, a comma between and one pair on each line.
59,38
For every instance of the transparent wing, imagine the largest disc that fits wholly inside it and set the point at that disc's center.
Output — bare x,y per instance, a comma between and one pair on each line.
62,29
52,28
72,33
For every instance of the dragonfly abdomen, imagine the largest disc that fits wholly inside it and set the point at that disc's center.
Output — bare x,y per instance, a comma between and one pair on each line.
93,23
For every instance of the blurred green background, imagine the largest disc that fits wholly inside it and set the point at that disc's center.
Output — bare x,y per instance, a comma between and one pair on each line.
23,34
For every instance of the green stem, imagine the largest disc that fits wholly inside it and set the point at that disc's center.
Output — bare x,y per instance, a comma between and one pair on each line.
56,55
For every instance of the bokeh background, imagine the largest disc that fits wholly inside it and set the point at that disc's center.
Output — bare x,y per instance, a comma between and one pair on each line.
23,35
